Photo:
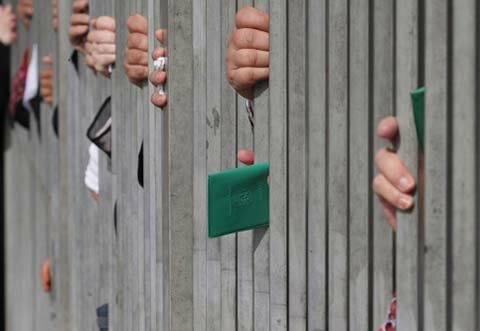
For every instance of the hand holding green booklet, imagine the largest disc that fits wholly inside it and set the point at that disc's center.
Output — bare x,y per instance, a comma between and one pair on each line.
238,200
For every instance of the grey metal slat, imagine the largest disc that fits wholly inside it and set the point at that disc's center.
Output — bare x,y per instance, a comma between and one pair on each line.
383,105
228,125
297,172
408,238
464,197
244,239
180,164
261,237
317,165
436,163
337,165
360,123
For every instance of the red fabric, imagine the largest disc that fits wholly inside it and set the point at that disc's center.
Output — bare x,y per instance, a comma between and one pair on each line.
18,83
391,323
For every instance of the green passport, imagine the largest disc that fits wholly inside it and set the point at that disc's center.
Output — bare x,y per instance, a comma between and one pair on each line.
418,104
238,200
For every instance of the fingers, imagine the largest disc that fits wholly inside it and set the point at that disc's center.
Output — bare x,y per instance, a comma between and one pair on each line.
250,17
80,19
136,74
250,58
161,35
101,37
80,6
137,41
159,52
105,23
246,157
389,211
137,24
388,128
244,78
392,168
251,39
136,57
158,78
159,99
384,189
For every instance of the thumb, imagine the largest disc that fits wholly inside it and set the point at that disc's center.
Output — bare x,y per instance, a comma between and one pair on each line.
246,157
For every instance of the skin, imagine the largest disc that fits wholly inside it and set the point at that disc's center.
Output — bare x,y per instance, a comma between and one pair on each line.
159,77
54,14
45,276
25,12
394,184
100,45
79,25
46,81
8,25
135,60
248,51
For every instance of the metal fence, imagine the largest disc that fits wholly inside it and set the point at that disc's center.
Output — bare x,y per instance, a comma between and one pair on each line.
328,261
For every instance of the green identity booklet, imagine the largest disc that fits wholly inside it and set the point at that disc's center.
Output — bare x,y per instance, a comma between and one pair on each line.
238,200
418,104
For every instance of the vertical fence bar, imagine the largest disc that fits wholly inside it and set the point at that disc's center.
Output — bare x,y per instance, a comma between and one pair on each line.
360,125
382,93
297,172
244,239
214,155
464,199
436,164
408,234
338,119
228,122
180,164
63,277
261,237
278,150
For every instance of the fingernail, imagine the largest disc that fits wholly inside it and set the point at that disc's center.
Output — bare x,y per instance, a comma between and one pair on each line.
404,184
406,202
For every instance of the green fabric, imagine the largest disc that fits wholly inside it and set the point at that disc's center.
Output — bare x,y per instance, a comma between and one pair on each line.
418,104
238,200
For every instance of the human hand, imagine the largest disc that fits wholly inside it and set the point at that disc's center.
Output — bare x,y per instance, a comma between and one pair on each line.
79,25
100,45
25,11
159,77
394,185
54,9
135,60
46,81
248,51
45,275
8,25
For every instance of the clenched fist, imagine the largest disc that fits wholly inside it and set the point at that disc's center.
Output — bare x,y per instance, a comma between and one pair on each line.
79,25
135,60
8,25
248,51
100,46
46,81
159,77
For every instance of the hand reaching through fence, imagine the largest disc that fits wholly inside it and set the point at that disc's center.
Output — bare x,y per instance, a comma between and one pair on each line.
45,276
8,25
79,25
25,12
46,80
100,45
248,51
394,185
54,9
159,77
135,60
